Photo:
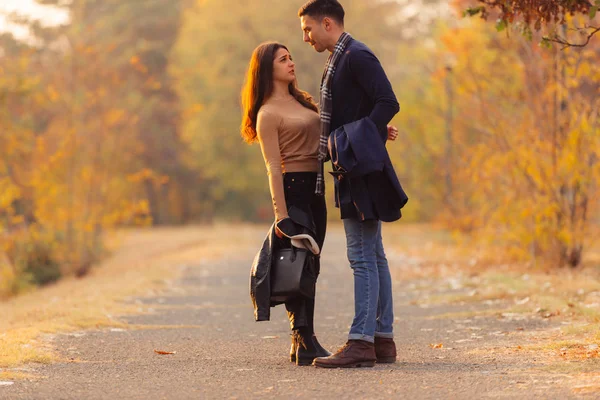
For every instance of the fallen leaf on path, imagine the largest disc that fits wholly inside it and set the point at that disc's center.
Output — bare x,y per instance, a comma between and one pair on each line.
161,352
270,337
551,314
513,316
6,383
436,346
585,389
522,301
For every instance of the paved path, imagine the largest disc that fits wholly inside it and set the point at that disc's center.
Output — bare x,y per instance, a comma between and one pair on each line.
221,353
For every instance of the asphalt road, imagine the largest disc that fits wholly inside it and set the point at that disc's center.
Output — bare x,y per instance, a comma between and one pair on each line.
222,353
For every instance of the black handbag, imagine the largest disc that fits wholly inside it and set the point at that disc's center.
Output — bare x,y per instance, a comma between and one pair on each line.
293,274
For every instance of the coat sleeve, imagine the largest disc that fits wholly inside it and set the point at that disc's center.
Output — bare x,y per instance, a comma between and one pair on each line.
369,74
260,282
267,127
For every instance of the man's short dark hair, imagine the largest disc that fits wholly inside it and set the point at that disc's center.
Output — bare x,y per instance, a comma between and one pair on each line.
320,9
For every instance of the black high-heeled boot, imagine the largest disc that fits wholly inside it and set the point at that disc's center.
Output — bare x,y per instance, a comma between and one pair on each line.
321,351
308,349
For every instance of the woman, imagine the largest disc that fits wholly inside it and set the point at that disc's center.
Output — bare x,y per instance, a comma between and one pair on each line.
286,123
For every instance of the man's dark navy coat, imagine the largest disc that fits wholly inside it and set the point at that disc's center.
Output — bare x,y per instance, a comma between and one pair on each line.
361,89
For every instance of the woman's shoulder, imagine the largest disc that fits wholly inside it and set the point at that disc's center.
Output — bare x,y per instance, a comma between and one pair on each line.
268,117
269,111
268,108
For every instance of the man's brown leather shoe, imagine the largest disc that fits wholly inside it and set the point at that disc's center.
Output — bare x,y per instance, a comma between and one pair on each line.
355,353
385,350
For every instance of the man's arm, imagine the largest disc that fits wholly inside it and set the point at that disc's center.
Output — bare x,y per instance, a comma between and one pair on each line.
369,74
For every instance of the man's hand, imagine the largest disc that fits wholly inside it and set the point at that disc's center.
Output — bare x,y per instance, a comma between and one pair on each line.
392,132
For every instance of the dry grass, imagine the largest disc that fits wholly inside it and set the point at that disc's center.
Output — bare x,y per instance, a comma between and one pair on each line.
15,375
468,314
429,252
458,274
559,293
143,262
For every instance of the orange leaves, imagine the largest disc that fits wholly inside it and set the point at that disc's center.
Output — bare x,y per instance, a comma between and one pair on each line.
192,111
53,95
436,346
145,174
138,65
115,117
164,353
580,351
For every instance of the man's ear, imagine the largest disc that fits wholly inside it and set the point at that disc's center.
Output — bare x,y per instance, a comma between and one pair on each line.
327,23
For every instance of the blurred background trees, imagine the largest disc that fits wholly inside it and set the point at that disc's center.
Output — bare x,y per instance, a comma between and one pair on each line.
128,114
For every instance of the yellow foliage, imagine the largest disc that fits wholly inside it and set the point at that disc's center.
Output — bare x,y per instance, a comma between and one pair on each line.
530,178
62,184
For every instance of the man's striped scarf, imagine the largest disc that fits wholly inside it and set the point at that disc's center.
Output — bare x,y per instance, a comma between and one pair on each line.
326,105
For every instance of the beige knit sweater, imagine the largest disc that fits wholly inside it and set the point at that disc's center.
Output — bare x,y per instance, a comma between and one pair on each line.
288,134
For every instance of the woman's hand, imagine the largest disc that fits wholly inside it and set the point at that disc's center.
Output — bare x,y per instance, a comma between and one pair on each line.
278,232
392,132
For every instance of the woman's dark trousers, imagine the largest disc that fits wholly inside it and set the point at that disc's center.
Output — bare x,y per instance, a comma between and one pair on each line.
299,190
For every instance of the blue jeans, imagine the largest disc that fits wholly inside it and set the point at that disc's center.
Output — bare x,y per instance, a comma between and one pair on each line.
373,304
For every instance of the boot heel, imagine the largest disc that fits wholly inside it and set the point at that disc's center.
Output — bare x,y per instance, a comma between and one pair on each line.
294,347
303,362
386,360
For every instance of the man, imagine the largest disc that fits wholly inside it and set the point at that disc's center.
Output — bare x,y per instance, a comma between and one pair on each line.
355,89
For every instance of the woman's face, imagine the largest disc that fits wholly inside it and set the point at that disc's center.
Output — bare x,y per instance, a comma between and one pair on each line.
283,67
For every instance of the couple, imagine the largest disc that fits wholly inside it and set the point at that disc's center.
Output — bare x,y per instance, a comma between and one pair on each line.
293,134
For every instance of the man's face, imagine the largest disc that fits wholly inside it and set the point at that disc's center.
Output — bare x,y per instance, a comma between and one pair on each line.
314,33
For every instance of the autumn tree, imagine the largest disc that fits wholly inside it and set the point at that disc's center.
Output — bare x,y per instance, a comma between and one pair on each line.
89,134
542,15
528,134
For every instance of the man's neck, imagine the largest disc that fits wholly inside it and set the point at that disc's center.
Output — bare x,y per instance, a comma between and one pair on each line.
335,39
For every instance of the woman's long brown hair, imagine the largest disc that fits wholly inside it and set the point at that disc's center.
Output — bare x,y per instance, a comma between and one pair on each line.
259,86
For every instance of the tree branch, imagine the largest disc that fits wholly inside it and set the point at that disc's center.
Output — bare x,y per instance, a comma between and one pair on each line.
565,43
